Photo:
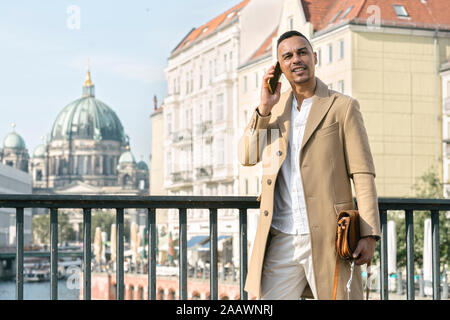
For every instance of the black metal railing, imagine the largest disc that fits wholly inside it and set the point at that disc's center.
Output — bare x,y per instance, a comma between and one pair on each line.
182,203
119,203
409,206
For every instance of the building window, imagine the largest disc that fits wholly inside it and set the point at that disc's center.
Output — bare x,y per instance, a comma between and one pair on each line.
201,79
335,17
187,83
169,123
225,63
245,117
210,111
210,71
400,10
220,151
219,107
257,185
341,49
291,23
330,53
346,12
246,186
341,86
39,175
256,80
244,83
231,61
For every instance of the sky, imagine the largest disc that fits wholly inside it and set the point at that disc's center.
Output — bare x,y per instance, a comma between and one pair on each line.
45,47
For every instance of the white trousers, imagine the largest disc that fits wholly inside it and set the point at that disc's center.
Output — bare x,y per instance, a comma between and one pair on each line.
287,267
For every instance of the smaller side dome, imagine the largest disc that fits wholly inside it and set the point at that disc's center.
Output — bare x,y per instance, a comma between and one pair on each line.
13,140
39,151
127,157
142,165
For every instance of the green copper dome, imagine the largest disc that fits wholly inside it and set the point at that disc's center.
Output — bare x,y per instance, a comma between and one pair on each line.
127,157
39,152
13,140
88,118
142,165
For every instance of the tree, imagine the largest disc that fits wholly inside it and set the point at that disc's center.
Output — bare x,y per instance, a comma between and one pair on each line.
104,219
41,228
428,186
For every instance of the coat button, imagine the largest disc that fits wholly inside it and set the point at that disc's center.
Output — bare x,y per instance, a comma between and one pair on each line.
269,181
279,153
266,213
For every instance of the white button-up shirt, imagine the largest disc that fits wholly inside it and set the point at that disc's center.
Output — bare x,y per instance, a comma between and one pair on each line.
289,201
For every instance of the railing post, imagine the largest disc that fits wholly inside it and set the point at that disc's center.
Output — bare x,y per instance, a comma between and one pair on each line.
19,253
54,254
242,252
119,257
87,254
435,254
213,281
383,256
151,258
409,221
182,251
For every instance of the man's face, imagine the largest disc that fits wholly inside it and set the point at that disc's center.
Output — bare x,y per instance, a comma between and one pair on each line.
297,60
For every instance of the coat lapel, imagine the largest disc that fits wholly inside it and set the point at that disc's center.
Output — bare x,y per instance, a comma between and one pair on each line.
320,106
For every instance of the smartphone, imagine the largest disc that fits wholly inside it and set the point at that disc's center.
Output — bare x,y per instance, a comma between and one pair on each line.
273,82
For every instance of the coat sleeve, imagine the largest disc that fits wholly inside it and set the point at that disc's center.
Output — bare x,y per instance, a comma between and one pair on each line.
361,169
356,143
252,141
366,197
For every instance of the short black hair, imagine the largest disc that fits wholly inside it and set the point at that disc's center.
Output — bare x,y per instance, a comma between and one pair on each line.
292,33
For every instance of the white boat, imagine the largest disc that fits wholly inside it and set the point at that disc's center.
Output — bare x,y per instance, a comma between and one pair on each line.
36,275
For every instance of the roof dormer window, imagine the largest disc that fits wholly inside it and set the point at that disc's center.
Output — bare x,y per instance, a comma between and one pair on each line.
346,12
335,16
400,10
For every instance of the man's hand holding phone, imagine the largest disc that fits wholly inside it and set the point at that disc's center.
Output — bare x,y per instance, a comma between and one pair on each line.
269,100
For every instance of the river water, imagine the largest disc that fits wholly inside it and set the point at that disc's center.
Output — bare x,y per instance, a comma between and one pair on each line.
38,291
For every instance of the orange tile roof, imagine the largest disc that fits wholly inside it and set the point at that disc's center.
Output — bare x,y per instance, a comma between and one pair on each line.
427,14
209,27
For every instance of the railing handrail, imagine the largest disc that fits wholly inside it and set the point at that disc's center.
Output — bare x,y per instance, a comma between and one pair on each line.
125,202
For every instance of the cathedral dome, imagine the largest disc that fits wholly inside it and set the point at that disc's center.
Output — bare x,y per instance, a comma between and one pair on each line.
142,165
127,157
13,140
39,152
88,118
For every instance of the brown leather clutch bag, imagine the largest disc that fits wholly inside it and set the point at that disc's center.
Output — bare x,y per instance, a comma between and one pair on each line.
347,238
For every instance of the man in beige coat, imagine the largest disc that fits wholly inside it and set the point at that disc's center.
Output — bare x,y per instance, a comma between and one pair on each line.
293,253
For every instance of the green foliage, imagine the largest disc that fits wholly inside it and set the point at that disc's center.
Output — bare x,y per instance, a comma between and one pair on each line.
428,186
104,219
41,228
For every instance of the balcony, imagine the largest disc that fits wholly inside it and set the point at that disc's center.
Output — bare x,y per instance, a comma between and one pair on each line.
204,172
435,207
204,128
183,136
181,176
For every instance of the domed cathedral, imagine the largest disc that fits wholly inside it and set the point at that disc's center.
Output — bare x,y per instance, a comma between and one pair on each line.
14,152
87,152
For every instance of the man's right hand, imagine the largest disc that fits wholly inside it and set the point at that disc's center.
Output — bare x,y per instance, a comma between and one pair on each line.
268,100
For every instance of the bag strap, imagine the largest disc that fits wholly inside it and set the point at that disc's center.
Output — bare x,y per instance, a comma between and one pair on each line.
336,278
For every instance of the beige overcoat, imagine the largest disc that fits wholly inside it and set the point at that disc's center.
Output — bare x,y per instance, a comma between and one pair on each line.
335,147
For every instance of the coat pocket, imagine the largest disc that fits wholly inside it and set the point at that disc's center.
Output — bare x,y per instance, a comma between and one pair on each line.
329,129
348,205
